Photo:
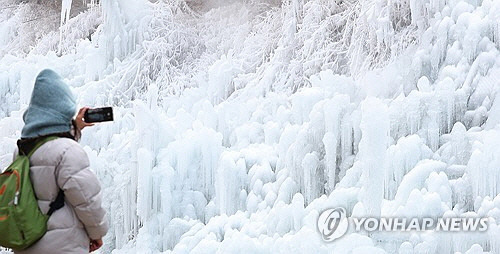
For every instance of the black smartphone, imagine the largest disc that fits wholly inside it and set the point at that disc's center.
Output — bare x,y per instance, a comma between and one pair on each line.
96,115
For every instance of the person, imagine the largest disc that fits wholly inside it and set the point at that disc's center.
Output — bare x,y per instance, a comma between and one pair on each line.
61,166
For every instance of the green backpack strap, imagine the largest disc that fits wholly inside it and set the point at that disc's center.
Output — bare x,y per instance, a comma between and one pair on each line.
39,144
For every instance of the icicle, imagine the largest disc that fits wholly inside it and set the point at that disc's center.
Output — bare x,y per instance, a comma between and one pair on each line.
166,199
496,33
330,142
400,159
436,6
483,166
433,129
375,137
144,184
417,8
346,144
312,187
65,11
231,180
413,113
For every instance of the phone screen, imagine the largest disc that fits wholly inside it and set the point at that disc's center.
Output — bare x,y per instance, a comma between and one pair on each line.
99,115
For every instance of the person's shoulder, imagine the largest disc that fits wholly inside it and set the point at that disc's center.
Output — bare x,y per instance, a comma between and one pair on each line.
56,151
63,144
69,151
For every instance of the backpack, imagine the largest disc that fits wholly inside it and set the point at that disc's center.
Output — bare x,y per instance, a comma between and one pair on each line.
21,221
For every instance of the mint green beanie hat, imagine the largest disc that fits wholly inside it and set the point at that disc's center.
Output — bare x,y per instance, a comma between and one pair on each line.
51,108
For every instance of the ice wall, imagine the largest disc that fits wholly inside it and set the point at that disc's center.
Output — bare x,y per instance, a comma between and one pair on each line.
235,126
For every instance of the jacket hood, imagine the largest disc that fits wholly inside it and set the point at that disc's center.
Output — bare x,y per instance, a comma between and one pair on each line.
51,109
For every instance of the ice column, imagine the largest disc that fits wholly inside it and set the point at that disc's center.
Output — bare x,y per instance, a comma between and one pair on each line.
65,10
483,167
375,131
230,183
310,165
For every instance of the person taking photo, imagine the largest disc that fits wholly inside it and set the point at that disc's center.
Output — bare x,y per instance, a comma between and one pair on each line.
59,169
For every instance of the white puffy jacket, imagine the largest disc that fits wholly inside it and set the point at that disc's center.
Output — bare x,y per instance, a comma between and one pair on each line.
63,164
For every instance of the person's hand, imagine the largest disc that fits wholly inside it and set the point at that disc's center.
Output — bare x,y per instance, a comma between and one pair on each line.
80,124
95,245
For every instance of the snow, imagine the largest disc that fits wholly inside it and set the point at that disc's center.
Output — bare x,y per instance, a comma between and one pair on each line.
238,122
